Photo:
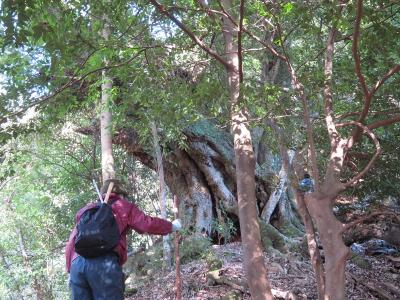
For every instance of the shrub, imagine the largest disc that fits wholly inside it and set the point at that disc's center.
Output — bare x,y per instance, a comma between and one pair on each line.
194,247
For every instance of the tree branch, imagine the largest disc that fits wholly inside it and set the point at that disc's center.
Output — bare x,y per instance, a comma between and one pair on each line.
211,12
328,69
385,112
366,130
357,61
385,122
385,77
244,29
190,33
68,85
240,48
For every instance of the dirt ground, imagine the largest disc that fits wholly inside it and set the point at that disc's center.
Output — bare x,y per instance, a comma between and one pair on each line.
370,277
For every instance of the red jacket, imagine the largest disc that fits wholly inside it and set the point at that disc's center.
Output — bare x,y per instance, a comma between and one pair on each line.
128,216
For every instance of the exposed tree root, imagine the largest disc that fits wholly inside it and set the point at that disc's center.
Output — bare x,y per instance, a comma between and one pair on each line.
383,290
217,278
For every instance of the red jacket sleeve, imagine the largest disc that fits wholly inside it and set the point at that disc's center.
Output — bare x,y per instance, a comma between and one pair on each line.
70,249
143,223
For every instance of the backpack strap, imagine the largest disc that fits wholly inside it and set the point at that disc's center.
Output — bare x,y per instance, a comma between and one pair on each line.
110,187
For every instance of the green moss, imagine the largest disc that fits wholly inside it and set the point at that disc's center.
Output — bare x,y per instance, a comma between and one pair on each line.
194,248
271,237
213,263
301,248
360,261
221,139
130,291
289,230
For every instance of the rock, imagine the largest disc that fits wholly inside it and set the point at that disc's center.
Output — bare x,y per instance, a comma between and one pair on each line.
379,247
130,291
275,268
232,295
357,248
214,264
300,281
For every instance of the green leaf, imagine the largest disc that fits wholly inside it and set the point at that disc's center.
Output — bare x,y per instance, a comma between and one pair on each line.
287,8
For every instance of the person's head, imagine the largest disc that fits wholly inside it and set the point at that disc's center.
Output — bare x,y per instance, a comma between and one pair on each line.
306,175
118,187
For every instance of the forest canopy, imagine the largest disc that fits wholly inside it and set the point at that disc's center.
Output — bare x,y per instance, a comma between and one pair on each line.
245,97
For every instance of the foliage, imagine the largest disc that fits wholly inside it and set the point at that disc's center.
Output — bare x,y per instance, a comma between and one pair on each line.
213,262
194,247
360,261
224,228
43,186
51,63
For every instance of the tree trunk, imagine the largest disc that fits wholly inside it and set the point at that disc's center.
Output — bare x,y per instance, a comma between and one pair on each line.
275,196
335,251
202,175
253,258
40,290
315,255
107,159
162,194
177,239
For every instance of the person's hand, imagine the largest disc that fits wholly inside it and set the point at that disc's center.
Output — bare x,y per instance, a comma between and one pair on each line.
176,225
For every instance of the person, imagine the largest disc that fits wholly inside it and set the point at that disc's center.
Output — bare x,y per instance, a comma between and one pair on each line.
307,184
101,278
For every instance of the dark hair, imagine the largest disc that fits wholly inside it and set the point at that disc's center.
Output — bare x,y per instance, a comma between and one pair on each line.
117,188
306,175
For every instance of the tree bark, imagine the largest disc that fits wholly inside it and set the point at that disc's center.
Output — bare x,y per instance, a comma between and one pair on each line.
275,196
162,194
315,255
335,251
253,258
202,175
107,159
177,238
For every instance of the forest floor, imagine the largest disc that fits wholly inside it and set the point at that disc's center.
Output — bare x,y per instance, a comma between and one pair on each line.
368,277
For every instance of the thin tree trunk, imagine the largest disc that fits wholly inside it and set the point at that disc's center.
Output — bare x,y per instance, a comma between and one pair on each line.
335,251
313,249
38,288
254,265
41,292
178,279
8,267
275,196
162,194
320,202
107,159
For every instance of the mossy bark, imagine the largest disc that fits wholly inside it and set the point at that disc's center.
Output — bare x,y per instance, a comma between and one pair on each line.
203,176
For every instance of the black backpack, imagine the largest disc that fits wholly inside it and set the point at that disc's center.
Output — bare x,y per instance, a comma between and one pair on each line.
98,231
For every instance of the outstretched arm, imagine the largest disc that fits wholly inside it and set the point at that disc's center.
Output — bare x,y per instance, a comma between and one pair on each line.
143,223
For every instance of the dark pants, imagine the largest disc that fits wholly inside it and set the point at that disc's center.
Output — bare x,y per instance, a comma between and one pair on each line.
98,278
